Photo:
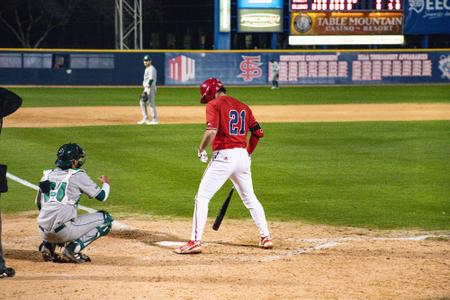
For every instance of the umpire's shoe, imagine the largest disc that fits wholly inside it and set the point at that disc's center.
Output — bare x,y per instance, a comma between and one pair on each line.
75,257
48,251
7,272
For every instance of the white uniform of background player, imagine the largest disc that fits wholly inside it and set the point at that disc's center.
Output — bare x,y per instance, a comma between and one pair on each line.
275,72
148,95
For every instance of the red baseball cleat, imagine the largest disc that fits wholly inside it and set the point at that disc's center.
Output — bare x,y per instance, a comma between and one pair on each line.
191,247
266,242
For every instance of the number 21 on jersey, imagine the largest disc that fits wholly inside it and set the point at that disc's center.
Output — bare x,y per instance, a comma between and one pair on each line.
237,122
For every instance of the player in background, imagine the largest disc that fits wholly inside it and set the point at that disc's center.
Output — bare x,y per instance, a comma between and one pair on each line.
227,123
147,97
275,69
57,201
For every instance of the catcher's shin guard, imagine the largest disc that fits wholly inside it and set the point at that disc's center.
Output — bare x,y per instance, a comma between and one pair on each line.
85,240
106,228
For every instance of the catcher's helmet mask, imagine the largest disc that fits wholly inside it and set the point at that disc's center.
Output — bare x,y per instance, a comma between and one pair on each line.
209,88
69,152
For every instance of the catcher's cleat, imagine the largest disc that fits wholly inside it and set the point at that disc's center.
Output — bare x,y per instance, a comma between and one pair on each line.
191,247
7,272
266,242
75,257
48,251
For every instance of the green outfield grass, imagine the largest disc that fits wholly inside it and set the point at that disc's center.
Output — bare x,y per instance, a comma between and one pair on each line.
34,97
370,174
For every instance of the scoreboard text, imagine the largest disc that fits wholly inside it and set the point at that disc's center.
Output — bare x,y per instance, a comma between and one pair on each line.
346,5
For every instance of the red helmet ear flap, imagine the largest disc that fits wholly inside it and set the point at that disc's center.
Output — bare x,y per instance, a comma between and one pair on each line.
205,93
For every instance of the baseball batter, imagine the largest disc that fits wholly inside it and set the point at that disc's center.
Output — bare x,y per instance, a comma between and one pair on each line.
227,123
147,97
57,200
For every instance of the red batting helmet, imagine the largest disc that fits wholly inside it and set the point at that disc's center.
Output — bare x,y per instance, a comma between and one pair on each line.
209,88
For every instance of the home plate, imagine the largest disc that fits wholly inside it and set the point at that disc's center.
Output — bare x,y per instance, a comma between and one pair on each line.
170,244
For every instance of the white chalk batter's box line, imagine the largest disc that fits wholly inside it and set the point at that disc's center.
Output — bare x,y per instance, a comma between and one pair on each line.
362,238
322,243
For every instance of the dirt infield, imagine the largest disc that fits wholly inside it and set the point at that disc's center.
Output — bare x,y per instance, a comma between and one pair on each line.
120,115
308,261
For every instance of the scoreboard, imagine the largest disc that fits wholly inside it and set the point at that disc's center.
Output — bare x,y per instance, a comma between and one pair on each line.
346,5
346,22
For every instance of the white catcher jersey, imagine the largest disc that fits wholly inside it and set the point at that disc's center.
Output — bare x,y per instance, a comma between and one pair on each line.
66,188
149,74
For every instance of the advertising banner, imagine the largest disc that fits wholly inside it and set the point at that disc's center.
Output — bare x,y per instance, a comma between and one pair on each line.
427,17
309,67
260,20
346,23
234,68
346,5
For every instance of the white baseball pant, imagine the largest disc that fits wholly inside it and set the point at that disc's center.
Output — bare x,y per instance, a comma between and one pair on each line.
235,165
151,93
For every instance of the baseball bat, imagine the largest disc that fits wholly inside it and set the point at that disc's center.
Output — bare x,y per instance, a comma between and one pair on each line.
222,211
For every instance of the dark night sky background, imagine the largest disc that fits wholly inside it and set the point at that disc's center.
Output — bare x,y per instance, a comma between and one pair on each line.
91,25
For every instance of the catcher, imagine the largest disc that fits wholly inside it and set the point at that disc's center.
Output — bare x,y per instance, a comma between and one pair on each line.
57,201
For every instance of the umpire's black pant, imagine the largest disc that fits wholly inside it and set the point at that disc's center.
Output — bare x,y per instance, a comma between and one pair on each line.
2,261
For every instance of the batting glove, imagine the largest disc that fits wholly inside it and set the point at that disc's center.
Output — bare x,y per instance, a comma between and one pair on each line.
203,156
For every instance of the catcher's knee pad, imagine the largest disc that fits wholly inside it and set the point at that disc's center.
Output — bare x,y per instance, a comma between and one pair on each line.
106,227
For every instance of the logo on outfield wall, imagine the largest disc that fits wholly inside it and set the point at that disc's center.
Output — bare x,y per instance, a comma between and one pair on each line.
181,68
250,67
444,66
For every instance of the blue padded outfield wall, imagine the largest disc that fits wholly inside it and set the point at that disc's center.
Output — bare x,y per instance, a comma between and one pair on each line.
75,68
56,67
310,67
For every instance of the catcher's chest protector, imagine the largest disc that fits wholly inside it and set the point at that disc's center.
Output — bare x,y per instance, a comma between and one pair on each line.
59,184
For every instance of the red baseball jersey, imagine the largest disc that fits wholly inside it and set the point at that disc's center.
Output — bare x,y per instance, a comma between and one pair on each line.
232,119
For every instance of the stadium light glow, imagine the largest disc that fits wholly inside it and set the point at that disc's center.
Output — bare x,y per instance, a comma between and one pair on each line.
225,11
